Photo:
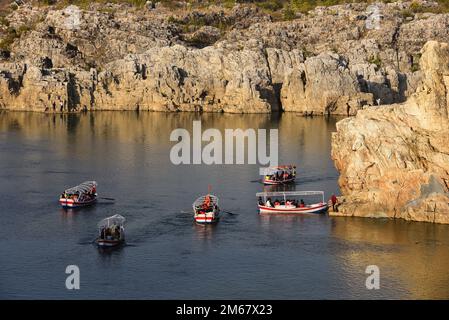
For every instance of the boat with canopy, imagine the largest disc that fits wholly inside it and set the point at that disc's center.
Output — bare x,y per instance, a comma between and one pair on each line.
279,175
206,210
292,202
82,195
111,231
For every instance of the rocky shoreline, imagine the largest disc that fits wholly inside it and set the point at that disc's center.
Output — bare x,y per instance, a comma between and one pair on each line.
215,59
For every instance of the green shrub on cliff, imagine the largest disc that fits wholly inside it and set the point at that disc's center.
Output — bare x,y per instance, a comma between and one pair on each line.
4,21
289,13
271,5
11,35
375,60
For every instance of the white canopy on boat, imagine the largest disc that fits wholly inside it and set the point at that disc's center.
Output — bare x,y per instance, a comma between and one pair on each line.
273,170
200,200
115,219
286,194
84,187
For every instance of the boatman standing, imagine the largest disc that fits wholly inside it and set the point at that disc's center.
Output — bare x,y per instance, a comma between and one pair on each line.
334,203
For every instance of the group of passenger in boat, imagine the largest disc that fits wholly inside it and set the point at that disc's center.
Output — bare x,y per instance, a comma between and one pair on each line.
111,233
206,206
86,196
280,176
288,203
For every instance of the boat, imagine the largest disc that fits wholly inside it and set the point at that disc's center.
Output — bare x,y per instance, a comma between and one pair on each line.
111,231
288,202
82,195
206,210
278,175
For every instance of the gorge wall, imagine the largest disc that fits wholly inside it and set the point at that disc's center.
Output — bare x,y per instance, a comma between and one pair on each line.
332,60
394,161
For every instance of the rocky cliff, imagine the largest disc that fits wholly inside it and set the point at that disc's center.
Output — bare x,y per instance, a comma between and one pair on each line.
331,60
394,161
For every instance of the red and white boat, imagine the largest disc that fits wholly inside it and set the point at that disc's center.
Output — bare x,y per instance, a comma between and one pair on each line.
111,231
206,210
278,175
82,195
286,202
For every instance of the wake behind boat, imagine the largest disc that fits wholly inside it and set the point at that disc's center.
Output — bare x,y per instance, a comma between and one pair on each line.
206,210
111,231
279,175
287,202
82,195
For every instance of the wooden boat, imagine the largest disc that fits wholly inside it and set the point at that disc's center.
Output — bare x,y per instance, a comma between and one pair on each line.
111,231
206,210
289,204
278,175
82,195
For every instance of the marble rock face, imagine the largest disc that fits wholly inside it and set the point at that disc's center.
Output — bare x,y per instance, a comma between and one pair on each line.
394,161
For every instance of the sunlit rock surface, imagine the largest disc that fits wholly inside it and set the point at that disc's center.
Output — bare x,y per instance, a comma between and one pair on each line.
394,161
333,60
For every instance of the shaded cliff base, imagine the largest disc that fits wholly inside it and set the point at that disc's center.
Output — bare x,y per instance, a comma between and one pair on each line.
394,161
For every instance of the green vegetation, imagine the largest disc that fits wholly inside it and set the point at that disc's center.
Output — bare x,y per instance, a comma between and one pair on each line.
271,5
4,21
11,35
375,60
289,13
84,4
415,62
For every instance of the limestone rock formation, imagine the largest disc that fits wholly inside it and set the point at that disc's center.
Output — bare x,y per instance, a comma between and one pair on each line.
394,161
323,85
331,60
182,79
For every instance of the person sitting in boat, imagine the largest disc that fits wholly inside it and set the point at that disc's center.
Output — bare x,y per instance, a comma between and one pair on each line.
285,176
117,232
268,203
276,203
302,204
206,200
107,233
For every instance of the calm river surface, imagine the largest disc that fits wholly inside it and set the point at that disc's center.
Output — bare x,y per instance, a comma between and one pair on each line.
245,256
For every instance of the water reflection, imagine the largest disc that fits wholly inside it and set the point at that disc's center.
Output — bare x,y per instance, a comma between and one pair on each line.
205,232
410,255
128,154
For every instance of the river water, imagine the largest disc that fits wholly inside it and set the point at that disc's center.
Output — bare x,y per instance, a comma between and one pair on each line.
245,256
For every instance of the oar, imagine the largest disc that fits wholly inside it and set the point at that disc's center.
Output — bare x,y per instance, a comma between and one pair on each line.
111,199
228,212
